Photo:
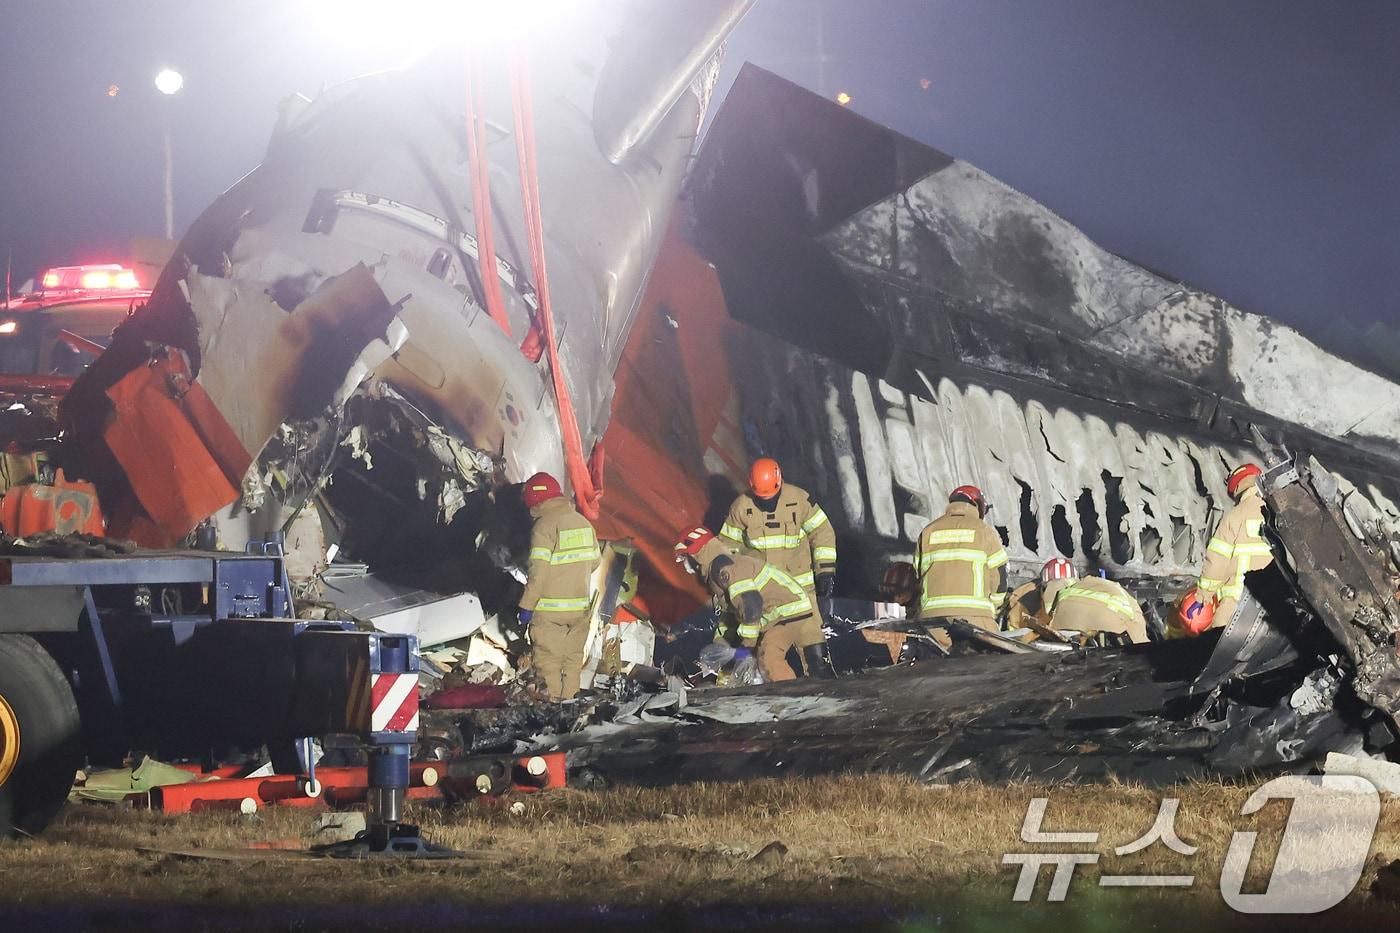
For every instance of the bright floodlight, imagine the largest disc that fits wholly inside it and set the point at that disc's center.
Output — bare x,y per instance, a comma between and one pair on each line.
169,81
407,29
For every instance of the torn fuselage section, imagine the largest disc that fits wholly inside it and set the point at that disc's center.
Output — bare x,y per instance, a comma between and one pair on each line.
1344,569
321,342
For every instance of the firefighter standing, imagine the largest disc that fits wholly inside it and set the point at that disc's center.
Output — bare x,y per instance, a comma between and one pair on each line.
1236,548
770,605
961,563
1090,604
783,524
557,600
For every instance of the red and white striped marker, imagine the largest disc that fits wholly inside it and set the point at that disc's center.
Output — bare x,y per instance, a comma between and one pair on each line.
394,703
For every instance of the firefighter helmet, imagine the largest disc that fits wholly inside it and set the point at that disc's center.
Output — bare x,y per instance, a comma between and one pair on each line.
765,478
1238,476
900,583
1196,613
969,494
1057,568
540,488
692,541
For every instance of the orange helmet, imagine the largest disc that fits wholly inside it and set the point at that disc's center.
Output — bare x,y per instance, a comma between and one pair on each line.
1237,477
1195,614
969,494
765,478
692,541
540,488
1057,568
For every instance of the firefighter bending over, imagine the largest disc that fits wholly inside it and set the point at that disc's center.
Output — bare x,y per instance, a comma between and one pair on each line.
784,525
1090,604
770,606
961,563
558,592
1028,606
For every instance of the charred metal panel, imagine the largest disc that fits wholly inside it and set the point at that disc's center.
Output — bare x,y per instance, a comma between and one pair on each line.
958,268
1349,580
1132,715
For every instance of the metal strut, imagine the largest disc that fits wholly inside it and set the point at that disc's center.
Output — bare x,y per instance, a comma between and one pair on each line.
392,729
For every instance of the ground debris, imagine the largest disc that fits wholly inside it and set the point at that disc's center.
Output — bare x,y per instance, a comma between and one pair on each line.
671,853
771,855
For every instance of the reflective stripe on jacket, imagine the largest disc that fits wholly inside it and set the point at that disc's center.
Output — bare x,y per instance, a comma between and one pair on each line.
796,537
958,560
564,554
1093,604
759,594
1236,548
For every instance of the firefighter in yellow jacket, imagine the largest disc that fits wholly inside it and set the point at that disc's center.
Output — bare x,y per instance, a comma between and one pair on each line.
784,525
1236,548
557,599
768,603
1090,604
1028,606
961,563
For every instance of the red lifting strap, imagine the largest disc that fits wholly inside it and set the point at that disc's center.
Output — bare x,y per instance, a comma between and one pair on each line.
587,492
481,201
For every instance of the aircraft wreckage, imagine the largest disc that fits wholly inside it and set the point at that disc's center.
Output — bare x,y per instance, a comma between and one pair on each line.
347,349
1308,666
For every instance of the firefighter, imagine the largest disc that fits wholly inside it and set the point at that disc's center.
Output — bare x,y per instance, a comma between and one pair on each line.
557,600
785,526
1236,548
770,606
961,563
900,584
1090,604
1032,601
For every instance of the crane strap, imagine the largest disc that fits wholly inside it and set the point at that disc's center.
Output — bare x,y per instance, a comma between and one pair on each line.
479,170
584,474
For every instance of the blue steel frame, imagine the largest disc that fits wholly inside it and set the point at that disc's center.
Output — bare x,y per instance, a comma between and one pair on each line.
253,585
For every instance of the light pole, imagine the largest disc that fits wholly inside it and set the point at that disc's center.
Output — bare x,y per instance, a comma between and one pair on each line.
168,82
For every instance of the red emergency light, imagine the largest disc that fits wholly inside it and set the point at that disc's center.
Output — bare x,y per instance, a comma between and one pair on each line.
109,277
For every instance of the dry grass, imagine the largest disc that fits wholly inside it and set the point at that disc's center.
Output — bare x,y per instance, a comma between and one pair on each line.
871,843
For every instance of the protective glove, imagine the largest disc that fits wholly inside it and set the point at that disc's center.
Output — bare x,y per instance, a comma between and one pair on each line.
826,585
742,654
525,615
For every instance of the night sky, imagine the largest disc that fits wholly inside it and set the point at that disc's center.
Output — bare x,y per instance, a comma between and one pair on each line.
1248,147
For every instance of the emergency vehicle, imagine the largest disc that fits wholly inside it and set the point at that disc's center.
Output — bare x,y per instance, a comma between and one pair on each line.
49,336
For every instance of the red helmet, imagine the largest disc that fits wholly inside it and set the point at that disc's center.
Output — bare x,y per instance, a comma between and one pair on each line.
765,478
692,541
969,494
540,488
900,583
1237,477
1196,613
1057,568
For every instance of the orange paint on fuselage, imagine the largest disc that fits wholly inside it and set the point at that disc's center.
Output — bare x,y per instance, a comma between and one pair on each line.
673,387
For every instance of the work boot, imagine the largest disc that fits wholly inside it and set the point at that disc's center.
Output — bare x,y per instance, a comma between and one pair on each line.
817,665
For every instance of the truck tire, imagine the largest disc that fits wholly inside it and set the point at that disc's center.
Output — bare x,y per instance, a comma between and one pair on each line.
40,737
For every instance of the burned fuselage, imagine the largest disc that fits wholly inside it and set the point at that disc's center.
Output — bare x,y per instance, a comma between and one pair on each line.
890,322
321,340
